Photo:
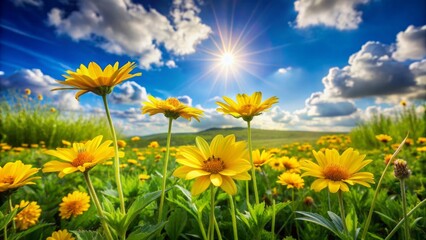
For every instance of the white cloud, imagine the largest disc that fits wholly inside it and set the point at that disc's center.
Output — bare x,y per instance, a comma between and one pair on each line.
129,92
371,72
419,71
284,70
319,105
411,44
185,99
171,64
126,28
1,73
22,3
340,14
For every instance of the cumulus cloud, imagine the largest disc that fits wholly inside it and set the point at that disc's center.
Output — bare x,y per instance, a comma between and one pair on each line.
1,73
371,72
23,3
419,71
411,44
126,28
319,105
331,13
185,99
284,70
129,92
171,64
39,83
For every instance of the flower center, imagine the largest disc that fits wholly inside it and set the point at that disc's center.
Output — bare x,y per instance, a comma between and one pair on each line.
82,158
7,179
247,108
213,165
335,173
173,101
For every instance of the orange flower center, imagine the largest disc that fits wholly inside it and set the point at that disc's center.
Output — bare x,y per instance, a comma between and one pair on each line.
336,173
247,108
7,179
173,101
213,165
82,158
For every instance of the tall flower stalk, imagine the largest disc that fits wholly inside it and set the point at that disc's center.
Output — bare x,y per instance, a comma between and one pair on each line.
402,172
247,107
101,82
172,109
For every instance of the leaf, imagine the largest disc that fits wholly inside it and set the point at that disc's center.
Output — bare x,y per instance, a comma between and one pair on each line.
337,221
385,216
21,235
84,235
7,219
137,206
318,219
176,223
146,232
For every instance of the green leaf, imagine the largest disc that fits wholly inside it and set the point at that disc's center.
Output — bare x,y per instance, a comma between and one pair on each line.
176,223
137,206
318,219
146,232
337,221
22,234
6,219
84,235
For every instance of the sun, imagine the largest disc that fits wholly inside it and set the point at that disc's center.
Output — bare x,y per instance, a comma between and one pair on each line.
227,59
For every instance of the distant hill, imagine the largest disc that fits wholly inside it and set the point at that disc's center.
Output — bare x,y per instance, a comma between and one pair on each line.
261,138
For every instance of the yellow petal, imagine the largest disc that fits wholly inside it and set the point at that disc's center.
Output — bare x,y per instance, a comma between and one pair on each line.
216,179
196,173
228,185
334,186
200,185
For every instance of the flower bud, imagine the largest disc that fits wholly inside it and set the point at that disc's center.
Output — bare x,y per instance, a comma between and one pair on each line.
401,170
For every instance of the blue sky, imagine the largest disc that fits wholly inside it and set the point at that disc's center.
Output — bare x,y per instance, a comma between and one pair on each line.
331,63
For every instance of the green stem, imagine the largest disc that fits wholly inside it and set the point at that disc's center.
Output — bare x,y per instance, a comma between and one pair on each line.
211,223
293,205
253,170
11,209
342,210
273,219
200,224
404,209
216,226
116,157
234,219
404,219
97,204
166,161
376,193
247,194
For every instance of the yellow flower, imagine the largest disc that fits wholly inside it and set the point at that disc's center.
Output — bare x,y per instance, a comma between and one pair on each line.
61,235
94,79
136,138
132,161
52,109
171,108
246,106
27,91
337,171
421,140
66,143
40,97
16,174
292,180
276,164
218,163
291,164
154,144
260,159
384,138
144,176
403,103
121,143
74,204
81,157
28,216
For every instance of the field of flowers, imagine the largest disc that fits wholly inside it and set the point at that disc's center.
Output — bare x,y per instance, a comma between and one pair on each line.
56,183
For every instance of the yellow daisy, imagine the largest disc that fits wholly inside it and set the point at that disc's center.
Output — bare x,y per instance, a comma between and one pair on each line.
153,144
246,106
28,216
74,204
16,174
81,157
337,171
27,91
94,79
121,143
384,138
171,108
292,180
291,164
260,159
61,235
218,163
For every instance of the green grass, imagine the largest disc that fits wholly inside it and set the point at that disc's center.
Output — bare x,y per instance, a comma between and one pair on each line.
261,138
29,121
397,126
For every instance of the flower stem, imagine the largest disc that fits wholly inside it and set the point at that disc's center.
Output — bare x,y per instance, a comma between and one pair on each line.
166,161
11,209
116,157
404,219
376,193
253,170
200,223
97,204
216,226
404,209
293,206
342,210
273,219
234,219
211,223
